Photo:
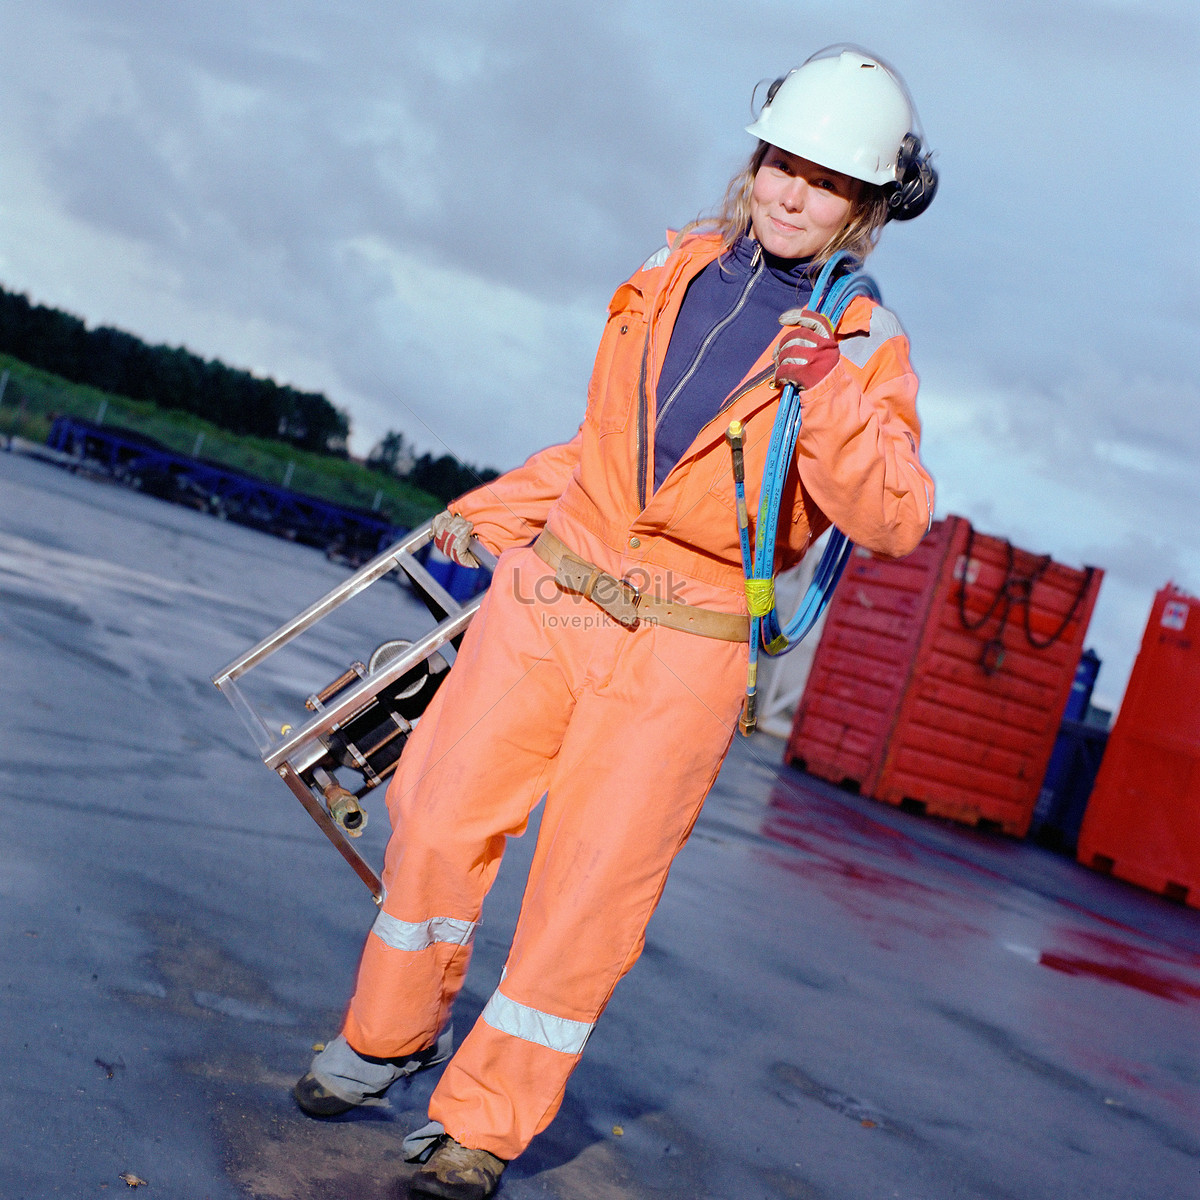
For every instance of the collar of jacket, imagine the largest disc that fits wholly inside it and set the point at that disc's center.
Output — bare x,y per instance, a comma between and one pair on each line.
697,250
786,271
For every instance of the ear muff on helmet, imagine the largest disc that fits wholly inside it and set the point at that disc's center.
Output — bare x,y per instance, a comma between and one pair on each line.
916,183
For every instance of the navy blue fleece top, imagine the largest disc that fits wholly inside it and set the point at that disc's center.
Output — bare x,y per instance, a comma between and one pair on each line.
730,314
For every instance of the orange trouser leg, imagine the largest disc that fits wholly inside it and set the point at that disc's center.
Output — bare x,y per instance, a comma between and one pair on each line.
472,770
654,716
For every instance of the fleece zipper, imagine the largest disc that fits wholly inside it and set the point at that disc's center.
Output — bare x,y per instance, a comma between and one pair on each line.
757,266
756,270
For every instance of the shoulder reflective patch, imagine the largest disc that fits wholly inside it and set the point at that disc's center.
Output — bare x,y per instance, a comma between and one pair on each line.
419,935
532,1025
657,259
884,326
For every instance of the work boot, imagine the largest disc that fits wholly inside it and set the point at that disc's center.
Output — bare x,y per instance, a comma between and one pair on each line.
456,1172
341,1079
317,1100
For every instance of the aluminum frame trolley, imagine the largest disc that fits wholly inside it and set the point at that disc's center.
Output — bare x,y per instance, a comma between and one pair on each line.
361,720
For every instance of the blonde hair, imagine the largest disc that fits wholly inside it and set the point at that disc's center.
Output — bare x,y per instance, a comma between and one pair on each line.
859,235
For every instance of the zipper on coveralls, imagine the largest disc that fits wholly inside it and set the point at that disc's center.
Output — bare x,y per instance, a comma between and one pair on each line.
641,425
748,386
712,335
643,406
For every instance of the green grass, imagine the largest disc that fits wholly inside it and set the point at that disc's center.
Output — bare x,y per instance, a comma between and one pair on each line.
33,397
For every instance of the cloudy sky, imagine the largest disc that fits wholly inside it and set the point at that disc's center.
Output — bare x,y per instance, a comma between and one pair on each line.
421,210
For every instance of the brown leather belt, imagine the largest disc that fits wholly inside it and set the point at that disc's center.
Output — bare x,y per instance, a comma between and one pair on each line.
626,605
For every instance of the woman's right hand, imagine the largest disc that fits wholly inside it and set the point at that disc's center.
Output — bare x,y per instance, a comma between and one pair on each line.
805,356
452,536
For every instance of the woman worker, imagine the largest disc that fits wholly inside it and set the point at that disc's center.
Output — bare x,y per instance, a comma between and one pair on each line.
606,666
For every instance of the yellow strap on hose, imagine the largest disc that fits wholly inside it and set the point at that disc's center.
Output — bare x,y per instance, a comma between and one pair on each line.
760,596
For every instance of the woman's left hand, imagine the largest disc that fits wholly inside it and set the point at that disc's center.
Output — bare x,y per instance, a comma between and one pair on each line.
806,356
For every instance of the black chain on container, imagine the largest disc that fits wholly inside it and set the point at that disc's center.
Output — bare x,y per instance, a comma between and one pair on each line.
1088,574
1015,589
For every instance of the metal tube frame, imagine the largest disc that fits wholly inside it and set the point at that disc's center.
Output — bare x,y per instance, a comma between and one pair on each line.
293,752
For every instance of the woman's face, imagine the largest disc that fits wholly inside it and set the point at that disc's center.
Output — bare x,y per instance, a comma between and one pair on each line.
796,206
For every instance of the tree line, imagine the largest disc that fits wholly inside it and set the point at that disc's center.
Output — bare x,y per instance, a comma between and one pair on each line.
175,378
171,377
444,477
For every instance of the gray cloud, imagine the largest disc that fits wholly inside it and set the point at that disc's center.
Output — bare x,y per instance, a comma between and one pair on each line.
354,199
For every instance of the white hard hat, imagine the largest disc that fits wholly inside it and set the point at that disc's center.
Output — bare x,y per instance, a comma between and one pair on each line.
848,113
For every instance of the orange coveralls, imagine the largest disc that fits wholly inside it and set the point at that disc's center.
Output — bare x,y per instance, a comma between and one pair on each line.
622,730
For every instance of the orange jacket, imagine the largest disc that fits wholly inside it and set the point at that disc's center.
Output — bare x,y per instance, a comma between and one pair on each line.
857,454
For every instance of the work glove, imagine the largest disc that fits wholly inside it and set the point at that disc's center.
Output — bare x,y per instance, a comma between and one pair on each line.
807,355
452,536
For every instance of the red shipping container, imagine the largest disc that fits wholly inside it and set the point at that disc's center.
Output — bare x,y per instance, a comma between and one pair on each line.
1142,822
940,680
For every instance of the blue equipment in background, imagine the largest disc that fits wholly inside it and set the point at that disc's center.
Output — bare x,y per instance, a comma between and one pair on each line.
1074,764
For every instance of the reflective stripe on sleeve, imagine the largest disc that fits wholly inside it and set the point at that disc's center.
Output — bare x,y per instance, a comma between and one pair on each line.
532,1025
418,935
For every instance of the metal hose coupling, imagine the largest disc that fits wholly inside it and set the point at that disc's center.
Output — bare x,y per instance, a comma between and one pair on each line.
342,805
748,718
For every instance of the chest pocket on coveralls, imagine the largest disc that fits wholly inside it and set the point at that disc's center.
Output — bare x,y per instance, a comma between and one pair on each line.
722,487
613,390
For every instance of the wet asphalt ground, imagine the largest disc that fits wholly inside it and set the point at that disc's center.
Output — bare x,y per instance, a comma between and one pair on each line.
838,1001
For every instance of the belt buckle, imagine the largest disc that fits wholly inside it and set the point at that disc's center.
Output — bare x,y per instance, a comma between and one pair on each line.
617,597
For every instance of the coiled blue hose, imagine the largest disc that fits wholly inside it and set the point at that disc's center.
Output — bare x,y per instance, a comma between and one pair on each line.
830,297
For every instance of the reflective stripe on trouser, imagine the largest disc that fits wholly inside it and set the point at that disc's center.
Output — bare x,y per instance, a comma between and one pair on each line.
624,733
